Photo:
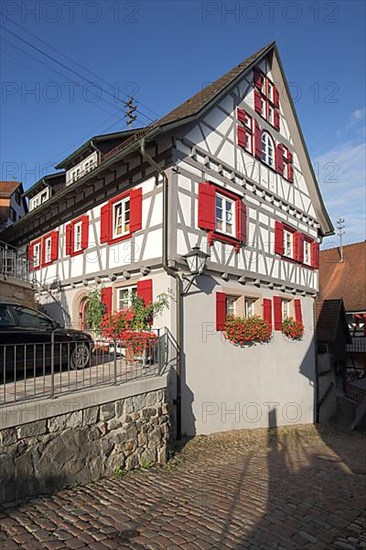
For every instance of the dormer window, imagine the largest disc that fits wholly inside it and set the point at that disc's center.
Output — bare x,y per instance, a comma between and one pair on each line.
267,149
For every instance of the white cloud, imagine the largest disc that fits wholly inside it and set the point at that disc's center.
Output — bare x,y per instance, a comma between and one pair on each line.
359,114
342,180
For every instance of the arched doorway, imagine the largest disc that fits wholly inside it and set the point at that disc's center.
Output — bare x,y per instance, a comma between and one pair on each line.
83,314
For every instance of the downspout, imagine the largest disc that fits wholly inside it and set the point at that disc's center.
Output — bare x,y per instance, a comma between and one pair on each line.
172,273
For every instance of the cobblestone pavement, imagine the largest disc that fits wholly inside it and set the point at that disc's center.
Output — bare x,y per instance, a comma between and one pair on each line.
288,488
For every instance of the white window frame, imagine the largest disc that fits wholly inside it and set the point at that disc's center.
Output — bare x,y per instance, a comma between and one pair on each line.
267,146
249,307
285,309
122,204
78,236
307,252
288,243
36,256
225,201
48,249
231,301
130,291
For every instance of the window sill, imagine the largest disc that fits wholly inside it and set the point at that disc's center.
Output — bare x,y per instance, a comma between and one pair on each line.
216,236
119,239
76,253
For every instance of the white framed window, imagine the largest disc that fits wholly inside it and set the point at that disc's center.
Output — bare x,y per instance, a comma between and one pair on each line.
37,254
230,306
121,218
225,215
48,249
248,122
285,309
270,115
249,307
288,243
124,297
44,196
269,90
267,149
307,252
78,236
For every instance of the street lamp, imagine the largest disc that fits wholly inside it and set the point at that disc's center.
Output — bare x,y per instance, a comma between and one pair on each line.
196,260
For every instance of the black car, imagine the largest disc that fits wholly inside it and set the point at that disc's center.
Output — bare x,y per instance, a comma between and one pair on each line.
27,338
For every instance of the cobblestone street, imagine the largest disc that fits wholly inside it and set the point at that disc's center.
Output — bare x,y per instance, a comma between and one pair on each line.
288,488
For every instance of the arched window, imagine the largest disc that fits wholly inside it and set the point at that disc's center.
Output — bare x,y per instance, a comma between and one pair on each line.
268,149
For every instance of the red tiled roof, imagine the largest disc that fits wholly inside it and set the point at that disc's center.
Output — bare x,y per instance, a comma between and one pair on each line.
347,279
8,187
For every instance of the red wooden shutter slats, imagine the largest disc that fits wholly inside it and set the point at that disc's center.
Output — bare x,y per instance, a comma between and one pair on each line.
314,254
241,137
257,79
206,206
241,221
241,115
68,247
279,158
135,210
277,310
258,141
299,247
279,229
106,297
276,99
298,312
54,246
257,102
105,223
220,310
145,291
85,232
267,310
276,119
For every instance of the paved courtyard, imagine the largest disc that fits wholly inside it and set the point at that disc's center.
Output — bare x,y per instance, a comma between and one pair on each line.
290,488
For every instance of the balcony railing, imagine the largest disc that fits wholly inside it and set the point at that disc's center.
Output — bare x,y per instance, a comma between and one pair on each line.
13,263
358,345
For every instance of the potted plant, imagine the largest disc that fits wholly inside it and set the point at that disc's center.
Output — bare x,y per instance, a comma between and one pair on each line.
292,329
247,331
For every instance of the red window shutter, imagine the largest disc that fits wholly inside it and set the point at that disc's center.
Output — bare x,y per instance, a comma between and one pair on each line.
85,232
68,232
54,246
206,206
276,119
135,210
257,79
145,291
106,297
30,256
299,247
277,310
241,221
220,310
276,99
258,141
315,254
105,223
279,158
290,173
257,102
267,310
279,238
241,115
298,313
289,156
241,137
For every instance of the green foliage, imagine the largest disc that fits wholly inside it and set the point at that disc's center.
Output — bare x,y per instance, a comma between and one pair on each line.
95,310
119,472
146,464
143,314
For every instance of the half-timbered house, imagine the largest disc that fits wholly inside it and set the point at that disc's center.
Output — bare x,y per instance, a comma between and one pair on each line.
228,171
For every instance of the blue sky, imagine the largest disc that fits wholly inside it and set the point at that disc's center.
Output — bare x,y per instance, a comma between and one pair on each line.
163,52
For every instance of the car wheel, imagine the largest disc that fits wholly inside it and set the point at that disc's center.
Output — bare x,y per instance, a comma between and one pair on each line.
80,356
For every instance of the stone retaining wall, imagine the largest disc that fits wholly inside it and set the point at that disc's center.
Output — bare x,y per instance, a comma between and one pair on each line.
84,445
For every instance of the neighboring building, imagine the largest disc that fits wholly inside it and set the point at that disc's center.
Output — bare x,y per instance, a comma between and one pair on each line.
228,170
332,337
346,279
12,204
